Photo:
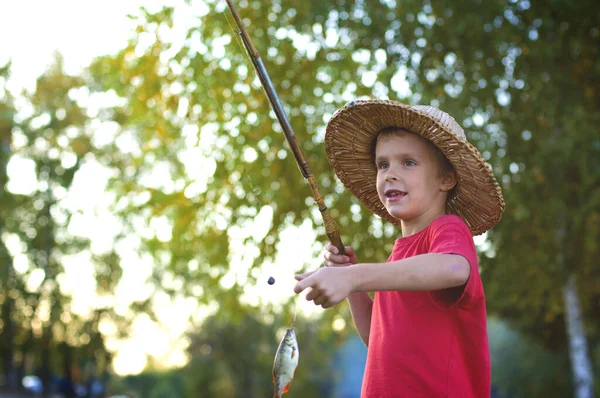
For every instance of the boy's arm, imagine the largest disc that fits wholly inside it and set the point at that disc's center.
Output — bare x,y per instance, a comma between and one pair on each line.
361,303
423,272
361,307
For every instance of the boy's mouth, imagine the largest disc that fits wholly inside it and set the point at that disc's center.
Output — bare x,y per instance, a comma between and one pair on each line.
394,193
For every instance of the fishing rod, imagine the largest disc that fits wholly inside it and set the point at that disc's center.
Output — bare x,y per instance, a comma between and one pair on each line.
331,228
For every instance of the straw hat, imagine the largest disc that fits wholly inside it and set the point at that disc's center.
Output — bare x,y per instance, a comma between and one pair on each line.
348,142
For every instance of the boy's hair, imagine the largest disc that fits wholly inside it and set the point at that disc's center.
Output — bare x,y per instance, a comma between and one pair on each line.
444,165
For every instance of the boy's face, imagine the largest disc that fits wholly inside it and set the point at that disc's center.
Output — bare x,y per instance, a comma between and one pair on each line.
410,183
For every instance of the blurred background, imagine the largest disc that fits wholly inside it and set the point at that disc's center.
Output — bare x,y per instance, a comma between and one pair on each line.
147,193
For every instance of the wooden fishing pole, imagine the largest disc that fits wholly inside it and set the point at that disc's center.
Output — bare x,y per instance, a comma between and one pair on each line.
331,228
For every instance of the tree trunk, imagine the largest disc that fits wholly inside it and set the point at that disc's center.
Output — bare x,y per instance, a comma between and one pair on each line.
7,283
8,343
580,361
45,374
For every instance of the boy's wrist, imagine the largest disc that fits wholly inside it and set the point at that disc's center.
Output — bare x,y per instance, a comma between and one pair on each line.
354,277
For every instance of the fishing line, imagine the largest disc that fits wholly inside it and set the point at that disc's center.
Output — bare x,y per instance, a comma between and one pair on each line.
254,74
237,34
255,191
295,311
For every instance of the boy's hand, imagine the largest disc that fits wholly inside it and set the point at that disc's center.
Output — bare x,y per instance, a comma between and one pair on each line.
333,257
328,286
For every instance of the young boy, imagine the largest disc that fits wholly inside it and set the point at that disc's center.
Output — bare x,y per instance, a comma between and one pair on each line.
425,329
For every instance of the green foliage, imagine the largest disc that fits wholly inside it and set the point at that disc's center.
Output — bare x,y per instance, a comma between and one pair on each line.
196,154
164,384
197,115
235,359
40,332
522,367
7,279
519,76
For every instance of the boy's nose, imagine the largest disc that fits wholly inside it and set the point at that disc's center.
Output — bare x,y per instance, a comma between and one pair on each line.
391,177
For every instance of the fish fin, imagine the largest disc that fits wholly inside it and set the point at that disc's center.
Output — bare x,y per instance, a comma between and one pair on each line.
287,388
293,352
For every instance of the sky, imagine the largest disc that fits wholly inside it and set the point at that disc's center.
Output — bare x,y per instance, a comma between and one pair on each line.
32,30
81,30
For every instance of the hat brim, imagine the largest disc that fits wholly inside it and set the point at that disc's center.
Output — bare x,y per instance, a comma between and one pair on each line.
348,142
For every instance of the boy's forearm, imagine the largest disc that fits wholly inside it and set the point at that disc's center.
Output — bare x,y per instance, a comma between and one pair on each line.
418,273
361,307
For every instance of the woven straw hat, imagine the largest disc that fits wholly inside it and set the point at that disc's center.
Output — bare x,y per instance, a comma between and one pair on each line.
348,142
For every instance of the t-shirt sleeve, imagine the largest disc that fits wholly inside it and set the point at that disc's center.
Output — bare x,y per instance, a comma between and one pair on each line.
454,237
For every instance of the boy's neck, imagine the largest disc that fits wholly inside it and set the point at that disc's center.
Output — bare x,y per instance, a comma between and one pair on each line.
411,227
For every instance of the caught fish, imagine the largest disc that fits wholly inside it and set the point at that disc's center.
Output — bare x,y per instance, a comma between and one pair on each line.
286,361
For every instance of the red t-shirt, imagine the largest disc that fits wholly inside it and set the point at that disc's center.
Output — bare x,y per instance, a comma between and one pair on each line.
430,344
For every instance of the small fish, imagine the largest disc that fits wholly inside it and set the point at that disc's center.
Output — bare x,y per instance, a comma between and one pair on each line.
286,361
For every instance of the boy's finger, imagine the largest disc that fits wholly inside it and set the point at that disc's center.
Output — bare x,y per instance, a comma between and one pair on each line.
300,286
320,300
331,248
313,295
337,259
304,282
305,275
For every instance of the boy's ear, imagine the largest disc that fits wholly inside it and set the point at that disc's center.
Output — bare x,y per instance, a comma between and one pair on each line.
449,181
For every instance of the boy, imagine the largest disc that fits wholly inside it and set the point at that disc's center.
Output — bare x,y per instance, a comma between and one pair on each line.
425,329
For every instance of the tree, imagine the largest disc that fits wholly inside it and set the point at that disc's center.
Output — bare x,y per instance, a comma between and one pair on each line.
236,359
7,278
224,160
523,367
48,137
520,77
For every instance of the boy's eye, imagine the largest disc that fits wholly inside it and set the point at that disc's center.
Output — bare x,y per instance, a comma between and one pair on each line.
383,165
409,163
